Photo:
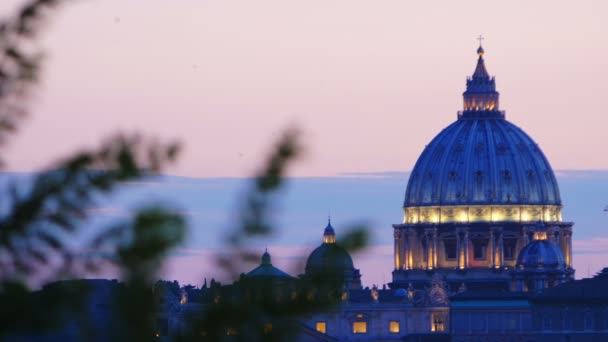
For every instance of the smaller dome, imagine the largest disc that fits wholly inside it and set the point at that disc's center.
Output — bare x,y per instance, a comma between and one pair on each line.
329,258
332,261
541,254
400,293
480,51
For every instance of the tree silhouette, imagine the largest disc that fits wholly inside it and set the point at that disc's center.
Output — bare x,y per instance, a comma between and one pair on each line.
45,213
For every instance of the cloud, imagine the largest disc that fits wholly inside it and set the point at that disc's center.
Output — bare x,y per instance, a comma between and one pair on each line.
582,174
109,211
382,174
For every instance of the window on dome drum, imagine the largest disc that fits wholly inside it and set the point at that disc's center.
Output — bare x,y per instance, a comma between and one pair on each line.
479,249
437,322
509,248
359,327
321,327
267,328
393,327
450,249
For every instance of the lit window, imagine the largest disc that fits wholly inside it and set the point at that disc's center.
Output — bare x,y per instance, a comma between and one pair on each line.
321,327
267,328
437,322
393,327
231,332
359,315
359,327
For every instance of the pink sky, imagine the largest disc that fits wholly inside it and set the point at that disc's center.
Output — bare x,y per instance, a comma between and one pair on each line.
368,82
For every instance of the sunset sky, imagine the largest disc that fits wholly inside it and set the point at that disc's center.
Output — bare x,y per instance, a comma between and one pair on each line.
368,83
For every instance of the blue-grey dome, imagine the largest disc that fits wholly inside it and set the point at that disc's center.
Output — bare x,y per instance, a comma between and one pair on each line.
332,261
329,258
482,160
540,254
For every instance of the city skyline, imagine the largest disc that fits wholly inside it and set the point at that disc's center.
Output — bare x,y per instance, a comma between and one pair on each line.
367,85
314,171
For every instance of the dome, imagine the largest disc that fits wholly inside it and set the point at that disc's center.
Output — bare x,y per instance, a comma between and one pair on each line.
329,257
331,260
540,254
482,160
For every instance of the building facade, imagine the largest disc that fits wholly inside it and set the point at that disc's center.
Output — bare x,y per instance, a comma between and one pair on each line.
482,253
475,196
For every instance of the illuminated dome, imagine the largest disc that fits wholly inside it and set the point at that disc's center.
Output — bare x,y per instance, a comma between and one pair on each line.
540,254
482,167
541,263
478,192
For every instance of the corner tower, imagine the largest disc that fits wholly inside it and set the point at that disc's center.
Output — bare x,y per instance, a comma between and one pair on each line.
474,196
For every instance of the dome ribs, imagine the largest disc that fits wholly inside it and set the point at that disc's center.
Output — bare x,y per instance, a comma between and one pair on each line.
482,161
445,171
468,173
491,150
514,156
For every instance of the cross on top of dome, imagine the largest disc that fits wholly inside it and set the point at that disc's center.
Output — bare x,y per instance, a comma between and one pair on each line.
480,51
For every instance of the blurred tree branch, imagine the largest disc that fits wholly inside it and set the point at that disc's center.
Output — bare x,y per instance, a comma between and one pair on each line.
46,213
20,62
43,215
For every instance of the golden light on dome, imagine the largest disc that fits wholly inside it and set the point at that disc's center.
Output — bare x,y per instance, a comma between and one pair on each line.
482,213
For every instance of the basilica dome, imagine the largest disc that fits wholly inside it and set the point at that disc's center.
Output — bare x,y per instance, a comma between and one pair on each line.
482,161
482,167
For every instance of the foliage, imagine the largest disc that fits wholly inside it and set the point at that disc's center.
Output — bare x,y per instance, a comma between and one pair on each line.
248,308
44,215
